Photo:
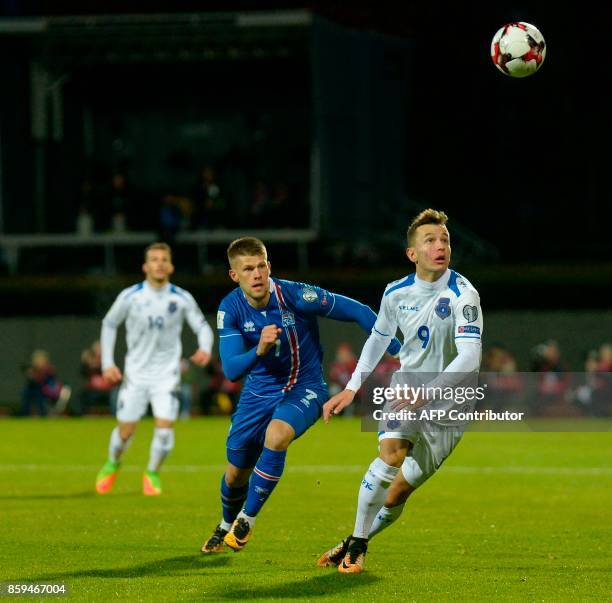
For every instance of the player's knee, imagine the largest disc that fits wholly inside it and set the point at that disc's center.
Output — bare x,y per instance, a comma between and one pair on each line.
236,477
164,438
393,452
126,430
279,435
395,458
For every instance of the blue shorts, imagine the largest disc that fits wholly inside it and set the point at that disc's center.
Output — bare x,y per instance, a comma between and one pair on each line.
300,407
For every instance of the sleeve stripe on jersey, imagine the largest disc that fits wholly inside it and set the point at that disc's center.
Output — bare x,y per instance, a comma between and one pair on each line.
333,304
467,337
382,334
452,283
231,335
134,289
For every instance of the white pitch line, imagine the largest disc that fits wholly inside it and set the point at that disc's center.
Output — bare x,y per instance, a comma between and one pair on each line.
467,469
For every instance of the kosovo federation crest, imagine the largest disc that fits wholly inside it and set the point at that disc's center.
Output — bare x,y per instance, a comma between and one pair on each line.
172,307
443,308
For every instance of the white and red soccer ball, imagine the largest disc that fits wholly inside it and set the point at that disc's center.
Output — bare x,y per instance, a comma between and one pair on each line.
518,49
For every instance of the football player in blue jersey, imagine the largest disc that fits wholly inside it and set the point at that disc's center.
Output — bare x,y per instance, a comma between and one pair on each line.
268,333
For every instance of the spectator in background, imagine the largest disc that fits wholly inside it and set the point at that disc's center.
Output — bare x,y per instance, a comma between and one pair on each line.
595,394
90,216
385,368
189,388
220,396
279,212
174,216
96,389
84,226
342,367
260,203
505,384
604,358
119,202
42,388
209,202
554,382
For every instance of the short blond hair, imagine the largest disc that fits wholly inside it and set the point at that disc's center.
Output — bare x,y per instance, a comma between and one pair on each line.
427,216
246,246
158,245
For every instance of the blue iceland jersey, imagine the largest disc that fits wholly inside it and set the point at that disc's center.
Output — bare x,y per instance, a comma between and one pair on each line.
296,358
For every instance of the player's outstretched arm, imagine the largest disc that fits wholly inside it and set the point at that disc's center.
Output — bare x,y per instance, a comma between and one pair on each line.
348,309
202,331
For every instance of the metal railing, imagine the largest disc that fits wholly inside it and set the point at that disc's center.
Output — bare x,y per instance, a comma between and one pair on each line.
12,245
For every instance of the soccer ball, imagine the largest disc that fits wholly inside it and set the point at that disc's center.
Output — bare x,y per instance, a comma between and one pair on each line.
518,49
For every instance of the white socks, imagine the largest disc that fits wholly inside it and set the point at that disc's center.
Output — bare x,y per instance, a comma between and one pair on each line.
161,445
117,446
250,520
372,495
384,518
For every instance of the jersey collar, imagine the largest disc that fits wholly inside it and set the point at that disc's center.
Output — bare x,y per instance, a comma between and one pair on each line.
438,285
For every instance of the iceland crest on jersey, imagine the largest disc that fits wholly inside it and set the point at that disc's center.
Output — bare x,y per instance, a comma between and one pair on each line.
287,319
172,307
443,308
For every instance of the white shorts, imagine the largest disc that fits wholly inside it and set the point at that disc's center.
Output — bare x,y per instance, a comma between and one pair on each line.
133,400
429,450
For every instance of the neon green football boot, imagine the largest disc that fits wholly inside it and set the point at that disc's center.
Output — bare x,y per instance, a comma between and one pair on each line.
151,483
106,477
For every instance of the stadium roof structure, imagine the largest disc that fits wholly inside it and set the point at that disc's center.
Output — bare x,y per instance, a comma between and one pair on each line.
65,42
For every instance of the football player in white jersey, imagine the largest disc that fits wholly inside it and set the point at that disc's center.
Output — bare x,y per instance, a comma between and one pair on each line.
153,312
438,312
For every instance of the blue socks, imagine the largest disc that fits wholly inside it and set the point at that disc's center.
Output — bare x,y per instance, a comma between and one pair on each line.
266,474
232,500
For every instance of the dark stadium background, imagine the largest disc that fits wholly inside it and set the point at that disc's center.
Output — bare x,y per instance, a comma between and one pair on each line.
367,113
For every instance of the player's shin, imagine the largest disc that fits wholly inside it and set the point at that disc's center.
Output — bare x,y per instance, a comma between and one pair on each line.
161,445
232,500
372,495
266,475
117,446
384,518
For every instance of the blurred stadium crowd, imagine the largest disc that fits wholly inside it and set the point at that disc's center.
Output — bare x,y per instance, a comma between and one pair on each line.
209,392
110,204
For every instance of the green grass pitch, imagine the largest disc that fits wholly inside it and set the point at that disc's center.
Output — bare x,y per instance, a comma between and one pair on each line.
510,516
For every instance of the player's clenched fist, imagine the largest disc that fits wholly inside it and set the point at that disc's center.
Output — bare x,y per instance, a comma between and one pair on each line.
112,374
200,358
337,404
267,339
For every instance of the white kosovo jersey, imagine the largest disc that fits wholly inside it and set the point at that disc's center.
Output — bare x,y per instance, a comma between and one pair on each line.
433,317
153,321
